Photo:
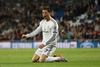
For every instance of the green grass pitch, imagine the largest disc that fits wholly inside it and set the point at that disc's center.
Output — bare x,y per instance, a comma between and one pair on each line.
80,57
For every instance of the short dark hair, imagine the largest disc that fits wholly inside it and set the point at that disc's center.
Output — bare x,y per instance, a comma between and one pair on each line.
46,8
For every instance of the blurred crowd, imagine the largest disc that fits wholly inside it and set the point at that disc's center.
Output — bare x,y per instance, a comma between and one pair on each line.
78,20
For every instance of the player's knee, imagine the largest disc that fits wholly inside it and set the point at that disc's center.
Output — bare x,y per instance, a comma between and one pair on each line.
41,61
42,58
34,60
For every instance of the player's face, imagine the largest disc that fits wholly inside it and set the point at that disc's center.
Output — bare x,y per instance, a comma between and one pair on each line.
45,13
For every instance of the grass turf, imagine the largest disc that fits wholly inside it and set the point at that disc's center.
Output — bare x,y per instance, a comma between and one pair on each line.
77,58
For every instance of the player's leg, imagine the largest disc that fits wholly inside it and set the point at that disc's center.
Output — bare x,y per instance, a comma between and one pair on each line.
57,58
51,59
37,55
42,58
48,51
35,58
46,56
62,59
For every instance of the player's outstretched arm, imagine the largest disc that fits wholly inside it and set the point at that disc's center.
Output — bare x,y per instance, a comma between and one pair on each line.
33,33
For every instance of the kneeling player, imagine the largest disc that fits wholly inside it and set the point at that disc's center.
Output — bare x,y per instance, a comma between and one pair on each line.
49,28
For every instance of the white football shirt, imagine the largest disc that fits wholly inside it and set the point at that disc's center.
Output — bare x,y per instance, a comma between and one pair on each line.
49,30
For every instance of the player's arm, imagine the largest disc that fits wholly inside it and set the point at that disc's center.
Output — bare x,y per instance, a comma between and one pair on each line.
35,32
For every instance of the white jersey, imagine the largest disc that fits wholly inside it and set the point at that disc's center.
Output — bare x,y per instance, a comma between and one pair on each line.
49,30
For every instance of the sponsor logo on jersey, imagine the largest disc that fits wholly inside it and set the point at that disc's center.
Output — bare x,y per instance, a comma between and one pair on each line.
46,31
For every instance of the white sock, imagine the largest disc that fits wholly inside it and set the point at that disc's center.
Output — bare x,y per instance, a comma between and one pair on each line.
50,59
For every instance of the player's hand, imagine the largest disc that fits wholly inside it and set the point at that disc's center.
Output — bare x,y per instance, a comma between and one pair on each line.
24,36
41,46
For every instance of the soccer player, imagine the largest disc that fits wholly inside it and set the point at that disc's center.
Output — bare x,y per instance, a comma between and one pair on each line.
49,28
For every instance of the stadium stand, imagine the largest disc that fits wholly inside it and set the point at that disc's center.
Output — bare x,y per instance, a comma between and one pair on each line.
78,20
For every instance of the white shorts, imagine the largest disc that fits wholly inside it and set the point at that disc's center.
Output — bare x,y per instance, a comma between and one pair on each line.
47,50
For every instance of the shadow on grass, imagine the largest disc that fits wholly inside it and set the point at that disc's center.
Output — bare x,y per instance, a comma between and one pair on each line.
29,62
